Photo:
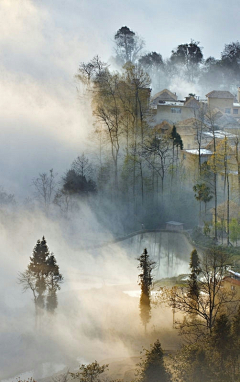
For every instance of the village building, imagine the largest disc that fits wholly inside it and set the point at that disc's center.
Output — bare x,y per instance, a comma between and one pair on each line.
190,160
232,282
191,131
164,95
225,102
168,108
197,133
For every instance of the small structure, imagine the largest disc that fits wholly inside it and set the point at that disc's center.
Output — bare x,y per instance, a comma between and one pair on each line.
232,282
174,226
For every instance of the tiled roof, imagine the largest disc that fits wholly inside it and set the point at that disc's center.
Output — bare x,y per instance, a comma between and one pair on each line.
164,95
220,94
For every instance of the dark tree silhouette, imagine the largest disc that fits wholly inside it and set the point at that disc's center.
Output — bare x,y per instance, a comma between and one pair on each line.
53,280
75,183
152,368
42,277
151,60
145,281
90,373
189,56
193,285
128,45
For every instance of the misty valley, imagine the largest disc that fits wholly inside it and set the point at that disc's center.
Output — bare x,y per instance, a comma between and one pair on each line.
121,255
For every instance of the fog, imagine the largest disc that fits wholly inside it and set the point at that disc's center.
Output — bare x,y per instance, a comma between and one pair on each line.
94,318
45,123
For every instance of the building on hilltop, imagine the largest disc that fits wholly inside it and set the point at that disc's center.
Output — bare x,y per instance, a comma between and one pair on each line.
163,96
232,282
225,102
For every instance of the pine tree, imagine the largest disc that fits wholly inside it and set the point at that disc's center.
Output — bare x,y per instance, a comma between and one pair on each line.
193,285
42,277
152,368
54,278
39,269
146,266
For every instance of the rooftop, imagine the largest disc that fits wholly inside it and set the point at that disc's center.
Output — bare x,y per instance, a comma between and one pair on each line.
219,134
196,152
220,94
171,103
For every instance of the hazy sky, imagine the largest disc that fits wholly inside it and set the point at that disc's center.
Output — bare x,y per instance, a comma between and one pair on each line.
42,42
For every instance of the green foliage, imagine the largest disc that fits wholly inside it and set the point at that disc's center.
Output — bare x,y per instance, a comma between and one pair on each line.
199,238
90,373
152,367
195,262
202,193
234,228
207,228
213,358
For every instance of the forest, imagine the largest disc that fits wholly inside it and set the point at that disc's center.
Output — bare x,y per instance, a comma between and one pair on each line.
108,217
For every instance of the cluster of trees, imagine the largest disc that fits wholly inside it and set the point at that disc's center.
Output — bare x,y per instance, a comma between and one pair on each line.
210,325
43,278
204,297
186,62
135,162
218,179
213,358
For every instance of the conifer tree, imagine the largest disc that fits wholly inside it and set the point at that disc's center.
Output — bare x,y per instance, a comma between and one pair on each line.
145,281
152,368
194,289
42,277
38,268
54,278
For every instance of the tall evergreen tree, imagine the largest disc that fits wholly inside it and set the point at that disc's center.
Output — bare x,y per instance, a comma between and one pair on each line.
193,285
42,277
39,269
152,368
145,281
54,278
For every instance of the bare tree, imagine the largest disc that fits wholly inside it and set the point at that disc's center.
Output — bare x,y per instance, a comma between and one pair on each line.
44,188
82,166
158,155
211,298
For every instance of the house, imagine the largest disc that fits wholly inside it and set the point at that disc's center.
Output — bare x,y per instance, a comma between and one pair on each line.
225,102
190,130
232,282
163,96
168,108
190,160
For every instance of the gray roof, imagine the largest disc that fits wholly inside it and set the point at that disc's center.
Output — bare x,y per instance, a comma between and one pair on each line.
220,94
